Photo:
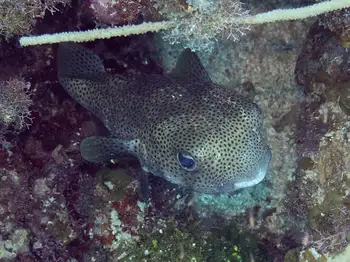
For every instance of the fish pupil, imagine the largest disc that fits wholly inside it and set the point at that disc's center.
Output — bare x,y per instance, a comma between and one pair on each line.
186,161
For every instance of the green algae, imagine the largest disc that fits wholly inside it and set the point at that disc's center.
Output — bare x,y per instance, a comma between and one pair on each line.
309,255
115,181
193,242
307,163
318,216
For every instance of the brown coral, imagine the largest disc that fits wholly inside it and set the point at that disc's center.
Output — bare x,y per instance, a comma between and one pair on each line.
18,16
121,12
14,103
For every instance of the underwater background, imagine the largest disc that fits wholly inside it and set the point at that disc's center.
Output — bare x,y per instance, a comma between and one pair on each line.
56,206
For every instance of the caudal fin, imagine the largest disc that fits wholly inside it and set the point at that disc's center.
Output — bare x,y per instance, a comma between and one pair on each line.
76,61
82,75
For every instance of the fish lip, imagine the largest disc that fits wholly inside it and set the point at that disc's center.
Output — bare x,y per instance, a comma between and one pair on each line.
261,172
249,183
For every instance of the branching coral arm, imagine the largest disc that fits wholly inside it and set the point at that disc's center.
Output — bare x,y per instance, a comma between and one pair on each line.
90,35
296,13
272,16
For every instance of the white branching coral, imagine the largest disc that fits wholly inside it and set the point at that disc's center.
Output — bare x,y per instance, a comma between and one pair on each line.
18,16
15,101
199,28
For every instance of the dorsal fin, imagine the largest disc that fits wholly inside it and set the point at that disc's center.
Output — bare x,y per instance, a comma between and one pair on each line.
190,68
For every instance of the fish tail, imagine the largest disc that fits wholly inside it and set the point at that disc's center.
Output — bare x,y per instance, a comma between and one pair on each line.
82,74
76,61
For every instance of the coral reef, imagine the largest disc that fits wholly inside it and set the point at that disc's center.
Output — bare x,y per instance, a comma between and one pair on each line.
54,206
15,101
108,12
18,17
199,30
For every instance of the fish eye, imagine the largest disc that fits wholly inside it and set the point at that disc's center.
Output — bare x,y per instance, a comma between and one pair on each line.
186,161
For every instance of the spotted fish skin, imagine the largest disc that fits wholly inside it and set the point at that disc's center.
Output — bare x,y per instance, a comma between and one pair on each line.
156,118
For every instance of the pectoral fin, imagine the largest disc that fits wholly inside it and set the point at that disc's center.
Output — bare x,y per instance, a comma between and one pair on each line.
99,149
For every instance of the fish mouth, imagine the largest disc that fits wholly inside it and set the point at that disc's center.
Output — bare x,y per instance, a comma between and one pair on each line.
249,183
260,172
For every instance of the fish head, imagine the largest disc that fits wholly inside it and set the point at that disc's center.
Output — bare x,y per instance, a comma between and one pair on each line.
207,152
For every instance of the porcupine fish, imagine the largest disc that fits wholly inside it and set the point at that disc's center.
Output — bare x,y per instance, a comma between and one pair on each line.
181,127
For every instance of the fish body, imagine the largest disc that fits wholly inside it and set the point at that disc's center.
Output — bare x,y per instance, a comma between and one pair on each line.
181,126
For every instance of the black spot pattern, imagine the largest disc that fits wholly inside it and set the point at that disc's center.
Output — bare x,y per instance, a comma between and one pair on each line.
217,126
